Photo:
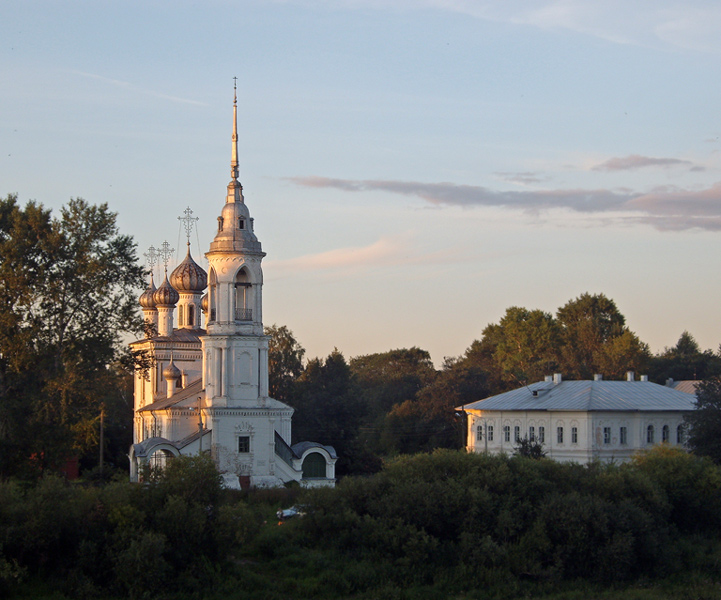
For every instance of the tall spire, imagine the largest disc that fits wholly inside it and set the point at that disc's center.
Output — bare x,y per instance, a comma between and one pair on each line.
235,190
234,173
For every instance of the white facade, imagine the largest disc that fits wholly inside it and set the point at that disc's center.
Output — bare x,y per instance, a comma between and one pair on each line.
580,421
207,390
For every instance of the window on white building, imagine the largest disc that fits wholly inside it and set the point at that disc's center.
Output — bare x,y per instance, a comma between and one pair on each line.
623,437
679,435
542,434
574,435
490,433
516,434
532,433
650,434
479,433
559,435
506,433
665,434
606,435
244,444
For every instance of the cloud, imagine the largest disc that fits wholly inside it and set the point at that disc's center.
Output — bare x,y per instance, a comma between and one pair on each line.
635,161
388,251
665,208
522,177
134,88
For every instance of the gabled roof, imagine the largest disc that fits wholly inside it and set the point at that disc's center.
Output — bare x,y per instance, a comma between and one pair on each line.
188,392
181,336
687,386
588,396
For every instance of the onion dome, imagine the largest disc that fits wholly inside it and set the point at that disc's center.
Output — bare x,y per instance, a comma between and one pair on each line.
171,372
188,276
204,301
146,298
166,295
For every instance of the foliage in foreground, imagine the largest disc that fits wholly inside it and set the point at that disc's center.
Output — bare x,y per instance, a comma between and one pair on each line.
442,525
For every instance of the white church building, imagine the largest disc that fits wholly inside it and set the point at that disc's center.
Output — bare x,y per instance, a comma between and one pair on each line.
580,421
207,389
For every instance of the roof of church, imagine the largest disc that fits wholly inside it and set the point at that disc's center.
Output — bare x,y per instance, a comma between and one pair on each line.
301,447
588,396
187,392
183,336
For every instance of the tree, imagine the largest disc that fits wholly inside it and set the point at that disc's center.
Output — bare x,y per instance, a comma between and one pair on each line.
285,362
522,345
704,423
390,378
327,411
67,293
590,327
685,360
529,448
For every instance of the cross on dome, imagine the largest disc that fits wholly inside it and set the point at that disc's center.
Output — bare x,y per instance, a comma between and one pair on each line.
188,222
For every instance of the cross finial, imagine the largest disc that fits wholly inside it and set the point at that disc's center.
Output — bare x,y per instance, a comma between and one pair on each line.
152,256
165,253
188,222
235,90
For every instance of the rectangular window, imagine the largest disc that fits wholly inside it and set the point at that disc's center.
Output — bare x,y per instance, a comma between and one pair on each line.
542,434
665,434
559,435
623,438
516,434
244,444
574,435
506,433
532,434
679,434
490,433
479,433
606,435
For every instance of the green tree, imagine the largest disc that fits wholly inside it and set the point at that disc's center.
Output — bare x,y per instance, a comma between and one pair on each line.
704,423
67,293
590,327
327,410
285,362
685,360
522,345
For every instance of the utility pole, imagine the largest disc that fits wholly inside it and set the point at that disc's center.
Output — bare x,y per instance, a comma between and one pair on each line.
102,437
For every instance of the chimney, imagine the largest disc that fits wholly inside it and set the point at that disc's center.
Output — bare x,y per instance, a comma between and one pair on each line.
598,377
669,382
630,376
548,378
644,377
557,378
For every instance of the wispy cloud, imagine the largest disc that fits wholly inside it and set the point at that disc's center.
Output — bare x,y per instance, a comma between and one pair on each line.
666,208
388,251
521,177
139,90
635,161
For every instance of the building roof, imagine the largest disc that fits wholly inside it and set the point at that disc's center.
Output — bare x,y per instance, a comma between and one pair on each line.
588,396
182,336
687,386
187,392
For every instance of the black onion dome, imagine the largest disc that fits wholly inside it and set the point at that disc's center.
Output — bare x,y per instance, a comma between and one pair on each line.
188,276
146,298
166,295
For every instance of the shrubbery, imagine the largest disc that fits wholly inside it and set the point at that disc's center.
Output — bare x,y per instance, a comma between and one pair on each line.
427,526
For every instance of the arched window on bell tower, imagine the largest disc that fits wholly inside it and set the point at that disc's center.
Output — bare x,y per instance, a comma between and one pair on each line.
243,296
212,297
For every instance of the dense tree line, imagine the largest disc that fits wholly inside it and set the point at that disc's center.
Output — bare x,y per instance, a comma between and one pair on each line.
68,290
438,525
379,405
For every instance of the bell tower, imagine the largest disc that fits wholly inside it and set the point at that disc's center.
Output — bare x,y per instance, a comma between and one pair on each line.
235,349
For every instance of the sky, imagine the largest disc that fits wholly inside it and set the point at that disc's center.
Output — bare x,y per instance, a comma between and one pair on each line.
414,167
